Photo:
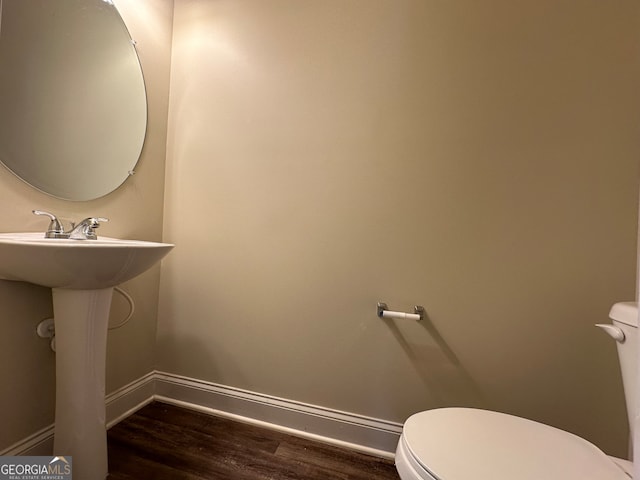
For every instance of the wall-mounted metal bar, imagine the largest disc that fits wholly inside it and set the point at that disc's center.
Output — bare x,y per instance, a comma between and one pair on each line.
384,312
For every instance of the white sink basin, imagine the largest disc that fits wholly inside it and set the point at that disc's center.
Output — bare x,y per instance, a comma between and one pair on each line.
75,264
81,274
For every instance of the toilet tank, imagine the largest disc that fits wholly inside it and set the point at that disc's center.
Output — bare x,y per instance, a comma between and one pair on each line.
625,317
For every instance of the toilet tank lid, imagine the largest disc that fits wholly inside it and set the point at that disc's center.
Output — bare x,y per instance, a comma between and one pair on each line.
625,312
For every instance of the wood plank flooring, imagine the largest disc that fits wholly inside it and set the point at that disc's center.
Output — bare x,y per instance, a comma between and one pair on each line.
164,442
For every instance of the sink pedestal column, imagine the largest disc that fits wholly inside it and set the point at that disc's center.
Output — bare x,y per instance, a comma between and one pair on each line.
81,321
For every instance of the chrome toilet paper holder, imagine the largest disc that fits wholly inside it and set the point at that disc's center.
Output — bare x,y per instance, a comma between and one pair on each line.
383,312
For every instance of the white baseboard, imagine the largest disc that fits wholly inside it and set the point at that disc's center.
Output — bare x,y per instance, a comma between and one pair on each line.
119,405
37,444
357,432
129,399
369,435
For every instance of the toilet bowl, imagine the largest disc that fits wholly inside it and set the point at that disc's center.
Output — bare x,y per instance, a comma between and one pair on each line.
474,444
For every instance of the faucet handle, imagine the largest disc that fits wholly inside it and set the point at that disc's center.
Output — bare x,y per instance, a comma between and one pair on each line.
94,222
86,229
55,229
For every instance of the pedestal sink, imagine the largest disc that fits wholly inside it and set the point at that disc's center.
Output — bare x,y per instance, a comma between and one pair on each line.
82,274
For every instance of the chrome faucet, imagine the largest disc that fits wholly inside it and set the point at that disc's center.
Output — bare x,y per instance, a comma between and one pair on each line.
85,230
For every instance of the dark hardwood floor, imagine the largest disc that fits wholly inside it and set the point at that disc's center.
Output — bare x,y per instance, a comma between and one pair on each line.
163,442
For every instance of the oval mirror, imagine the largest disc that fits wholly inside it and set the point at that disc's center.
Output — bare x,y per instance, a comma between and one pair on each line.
73,108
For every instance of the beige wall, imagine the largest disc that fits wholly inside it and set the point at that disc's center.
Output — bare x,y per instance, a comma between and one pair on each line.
27,368
478,158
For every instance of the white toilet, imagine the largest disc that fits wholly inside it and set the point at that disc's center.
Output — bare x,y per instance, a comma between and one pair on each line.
474,444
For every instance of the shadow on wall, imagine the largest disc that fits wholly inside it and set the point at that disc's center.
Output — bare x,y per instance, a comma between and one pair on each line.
27,368
446,379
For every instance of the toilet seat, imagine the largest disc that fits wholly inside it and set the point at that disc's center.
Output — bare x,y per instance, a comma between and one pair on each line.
466,443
